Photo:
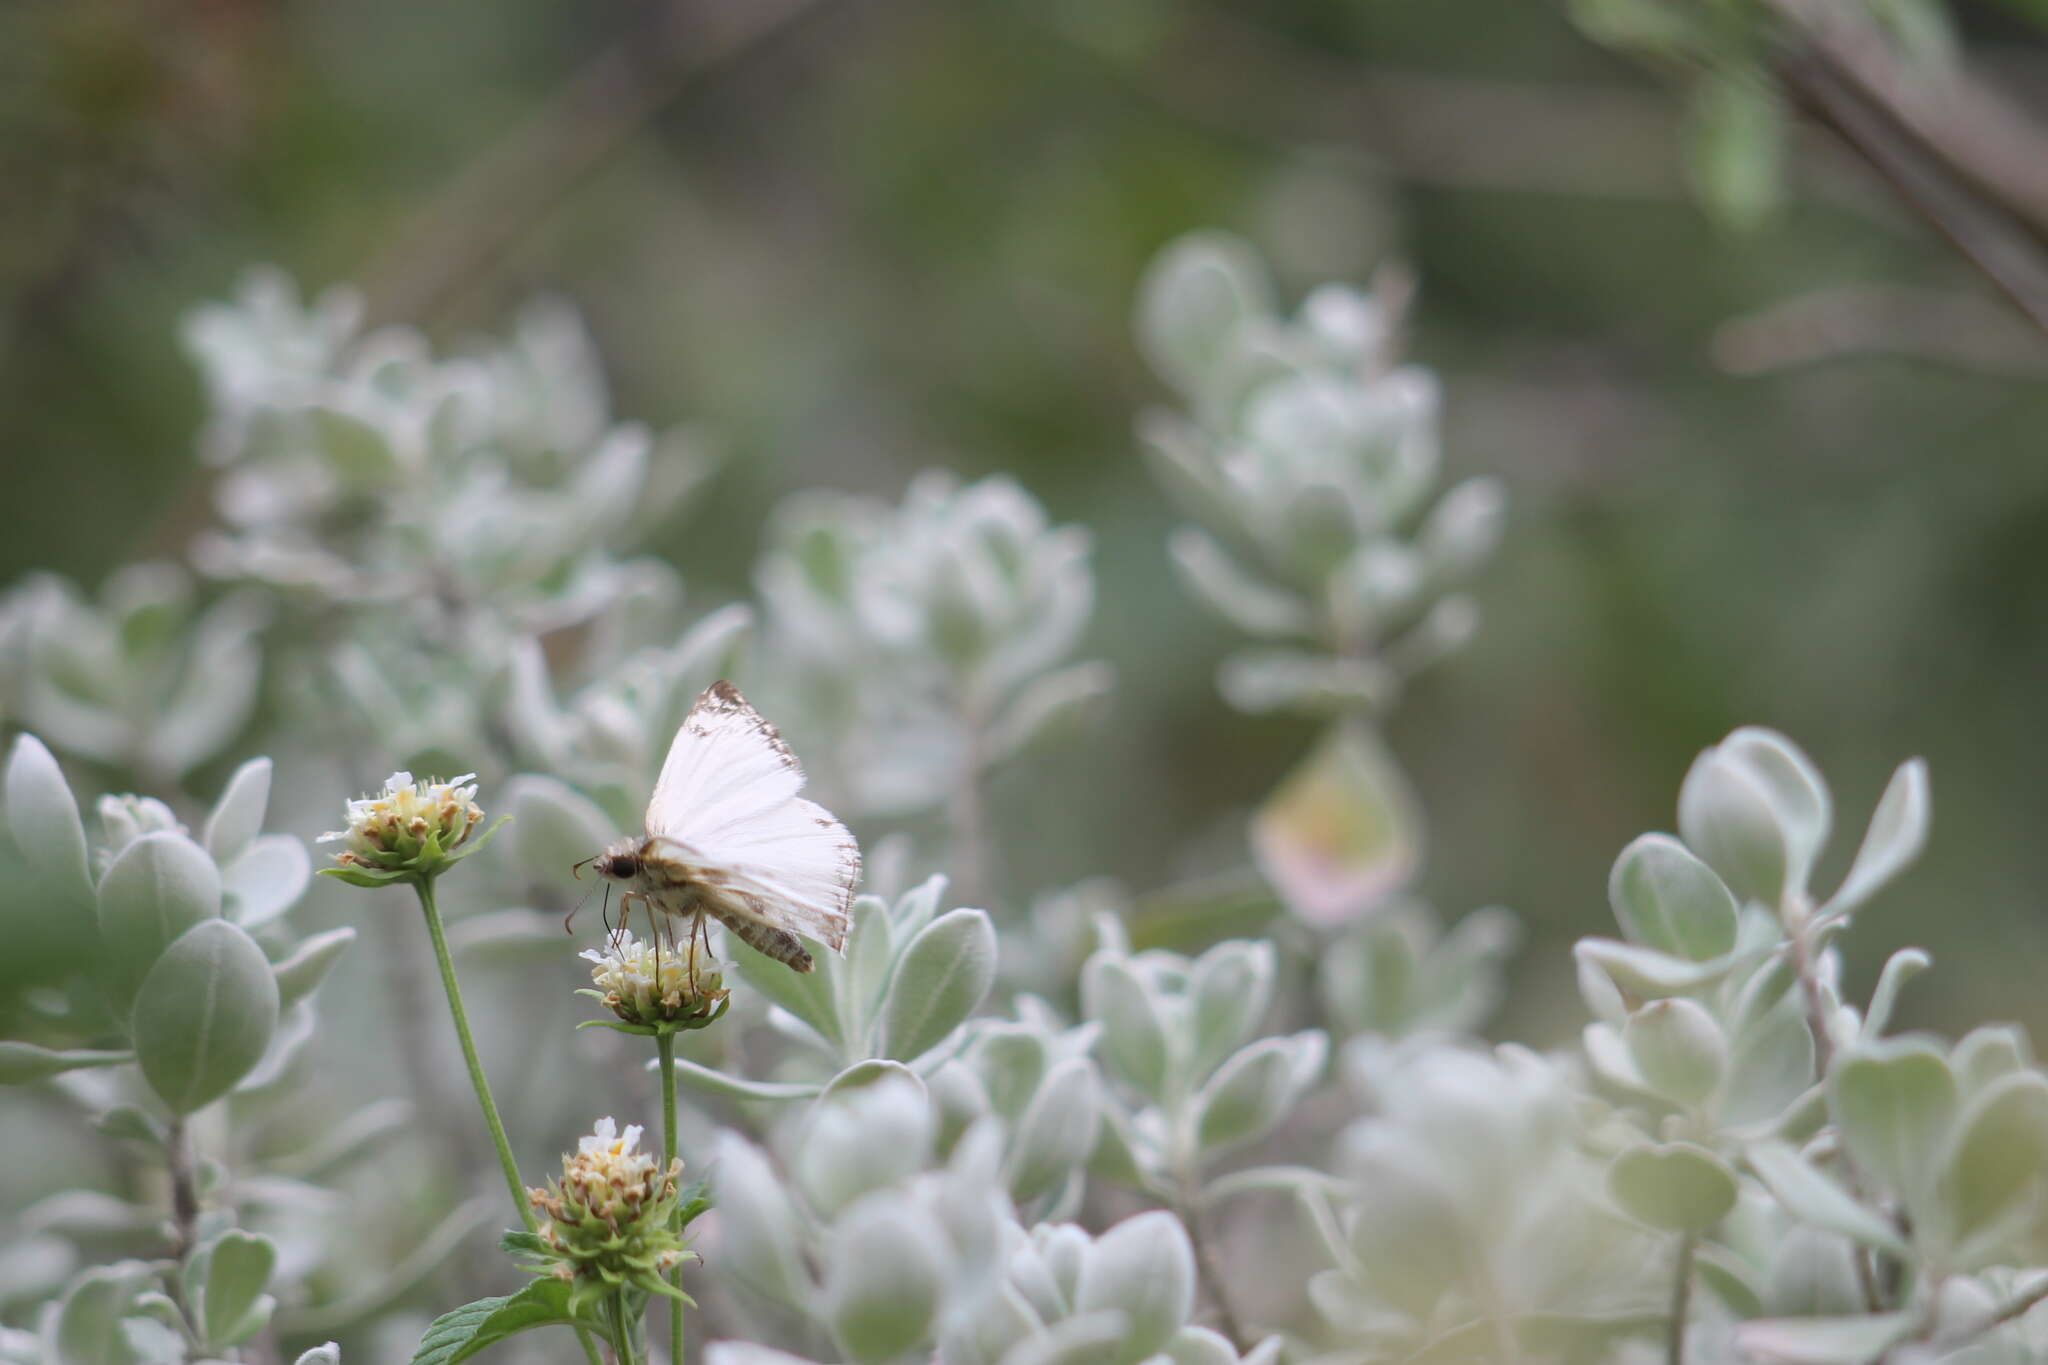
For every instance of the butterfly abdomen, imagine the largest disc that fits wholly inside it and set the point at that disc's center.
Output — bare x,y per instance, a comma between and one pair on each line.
765,939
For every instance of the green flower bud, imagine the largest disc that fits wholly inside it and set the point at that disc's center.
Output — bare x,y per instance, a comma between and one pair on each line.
609,1218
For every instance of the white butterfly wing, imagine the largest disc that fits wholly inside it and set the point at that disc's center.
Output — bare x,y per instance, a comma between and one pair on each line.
728,794
725,769
795,868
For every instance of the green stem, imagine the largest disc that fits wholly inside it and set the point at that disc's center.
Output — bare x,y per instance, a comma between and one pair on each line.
1188,1204
666,1043
510,1167
1798,917
425,887
1681,1300
622,1331
184,1209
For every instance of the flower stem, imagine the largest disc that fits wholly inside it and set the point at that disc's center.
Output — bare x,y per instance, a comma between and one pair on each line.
666,1043
425,887
622,1330
184,1189
184,1207
506,1163
1681,1300
1806,967
1207,1270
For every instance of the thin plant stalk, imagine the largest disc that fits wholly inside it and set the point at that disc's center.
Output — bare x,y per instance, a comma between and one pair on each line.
1681,1301
1807,969
477,1081
666,1043
184,1207
622,1330
1189,1206
506,1163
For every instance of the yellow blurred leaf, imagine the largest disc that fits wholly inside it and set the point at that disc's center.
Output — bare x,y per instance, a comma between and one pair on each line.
1342,832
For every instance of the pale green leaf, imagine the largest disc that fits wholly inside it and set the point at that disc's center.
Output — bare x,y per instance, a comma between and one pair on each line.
204,1015
939,981
1144,1267
1825,1341
299,975
22,1063
1812,1197
42,817
157,888
1667,899
1897,833
1894,1102
238,816
1675,1186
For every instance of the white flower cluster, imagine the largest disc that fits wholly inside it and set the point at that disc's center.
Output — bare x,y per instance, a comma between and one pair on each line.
605,1154
406,820
647,981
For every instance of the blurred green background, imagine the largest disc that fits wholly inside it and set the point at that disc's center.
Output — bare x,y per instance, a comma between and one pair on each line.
853,238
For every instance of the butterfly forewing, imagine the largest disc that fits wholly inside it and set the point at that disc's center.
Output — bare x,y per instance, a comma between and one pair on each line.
725,767
727,800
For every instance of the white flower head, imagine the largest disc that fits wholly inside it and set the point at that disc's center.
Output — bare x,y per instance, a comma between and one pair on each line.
650,983
609,1215
408,826
605,1138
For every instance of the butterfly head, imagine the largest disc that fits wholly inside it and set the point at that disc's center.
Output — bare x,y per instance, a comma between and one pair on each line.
620,862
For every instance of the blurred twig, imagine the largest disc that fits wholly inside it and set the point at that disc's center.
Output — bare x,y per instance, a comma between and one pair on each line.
1961,156
1956,153
468,229
1963,330
1926,183
1460,132
1452,130
1984,138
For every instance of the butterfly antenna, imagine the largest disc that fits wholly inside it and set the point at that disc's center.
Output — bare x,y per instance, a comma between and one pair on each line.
566,919
576,869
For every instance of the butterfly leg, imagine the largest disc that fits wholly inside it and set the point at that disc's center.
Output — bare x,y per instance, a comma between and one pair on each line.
626,903
696,935
655,927
704,935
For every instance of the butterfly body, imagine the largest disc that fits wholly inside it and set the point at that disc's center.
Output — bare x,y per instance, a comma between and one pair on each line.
728,838
658,874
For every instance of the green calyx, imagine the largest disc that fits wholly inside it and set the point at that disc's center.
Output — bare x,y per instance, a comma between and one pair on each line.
701,1012
407,862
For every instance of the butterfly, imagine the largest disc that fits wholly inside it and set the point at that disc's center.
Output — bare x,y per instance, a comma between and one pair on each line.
729,838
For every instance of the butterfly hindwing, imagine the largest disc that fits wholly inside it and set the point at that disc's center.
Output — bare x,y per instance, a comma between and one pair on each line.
725,767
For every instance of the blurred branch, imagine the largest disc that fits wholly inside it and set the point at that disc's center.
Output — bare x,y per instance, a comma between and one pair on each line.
1926,183
469,228
1956,153
1459,132
1969,162
1962,330
1984,138
1553,138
